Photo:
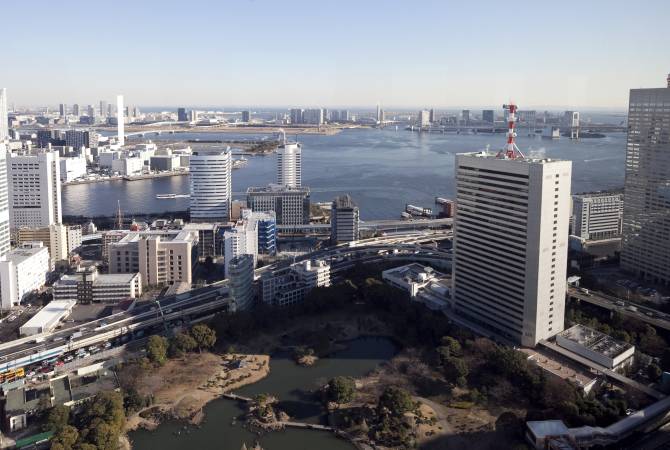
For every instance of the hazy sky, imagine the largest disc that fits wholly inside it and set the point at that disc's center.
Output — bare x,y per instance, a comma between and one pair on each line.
334,53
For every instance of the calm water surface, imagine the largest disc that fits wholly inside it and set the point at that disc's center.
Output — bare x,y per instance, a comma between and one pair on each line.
382,170
294,386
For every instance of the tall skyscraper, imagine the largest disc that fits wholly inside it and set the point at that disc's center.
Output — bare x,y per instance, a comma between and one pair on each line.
62,109
211,187
465,116
344,218
296,115
103,108
75,109
646,211
34,189
488,116
246,116
380,117
121,137
510,244
4,124
4,202
289,164
423,119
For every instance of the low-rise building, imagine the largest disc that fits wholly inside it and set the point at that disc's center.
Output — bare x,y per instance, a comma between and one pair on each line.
597,216
422,283
128,166
165,162
160,256
596,346
72,168
93,287
209,239
59,239
48,317
290,286
24,270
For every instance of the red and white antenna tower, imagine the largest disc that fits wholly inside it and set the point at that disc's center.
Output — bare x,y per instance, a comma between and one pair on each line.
511,151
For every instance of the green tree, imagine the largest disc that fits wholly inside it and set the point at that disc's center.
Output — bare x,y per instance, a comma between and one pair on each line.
396,401
65,439
341,389
157,347
455,369
654,372
182,343
204,336
58,418
105,436
452,345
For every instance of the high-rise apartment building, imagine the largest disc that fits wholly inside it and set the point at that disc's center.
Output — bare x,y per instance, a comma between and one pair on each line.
488,116
646,212
242,239
78,139
211,186
344,217
4,120
423,120
4,203
75,110
313,116
597,216
296,115
62,109
103,108
246,116
465,117
289,164
510,243
34,189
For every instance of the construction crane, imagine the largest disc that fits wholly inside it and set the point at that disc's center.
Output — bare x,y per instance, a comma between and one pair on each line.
511,151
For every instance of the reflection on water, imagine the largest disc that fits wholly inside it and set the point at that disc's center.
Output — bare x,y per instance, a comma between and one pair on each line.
382,169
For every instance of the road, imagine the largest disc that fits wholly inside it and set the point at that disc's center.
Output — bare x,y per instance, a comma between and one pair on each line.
626,308
206,301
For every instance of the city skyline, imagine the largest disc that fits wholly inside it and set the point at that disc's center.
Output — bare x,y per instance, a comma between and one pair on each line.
442,55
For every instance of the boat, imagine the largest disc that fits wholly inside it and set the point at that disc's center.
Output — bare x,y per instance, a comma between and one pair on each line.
171,196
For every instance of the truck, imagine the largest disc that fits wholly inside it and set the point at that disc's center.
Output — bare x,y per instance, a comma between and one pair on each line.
76,335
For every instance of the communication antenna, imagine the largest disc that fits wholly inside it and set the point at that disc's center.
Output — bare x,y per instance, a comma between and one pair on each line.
511,151
119,216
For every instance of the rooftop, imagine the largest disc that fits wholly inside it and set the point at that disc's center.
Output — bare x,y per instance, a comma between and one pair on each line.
595,341
344,201
414,272
20,254
544,428
494,155
276,188
100,278
49,313
162,235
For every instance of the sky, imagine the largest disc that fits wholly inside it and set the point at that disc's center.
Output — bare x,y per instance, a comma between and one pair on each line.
421,53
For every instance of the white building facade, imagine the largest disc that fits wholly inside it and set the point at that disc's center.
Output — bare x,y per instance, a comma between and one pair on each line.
211,187
23,271
34,189
289,165
597,216
510,244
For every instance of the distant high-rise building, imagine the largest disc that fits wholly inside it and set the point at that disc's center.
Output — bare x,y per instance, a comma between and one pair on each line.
380,117
289,164
242,239
527,117
103,108
211,187
488,116
423,120
431,115
313,116
75,109
344,218
120,136
510,244
344,115
62,109
181,115
597,216
34,189
90,110
646,211
136,111
79,138
246,116
296,115
4,120
110,109
465,117
193,115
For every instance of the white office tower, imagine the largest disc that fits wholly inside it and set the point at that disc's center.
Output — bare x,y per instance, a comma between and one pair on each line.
289,164
34,189
211,186
510,244
597,216
4,127
242,239
120,121
646,210
4,203
241,273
